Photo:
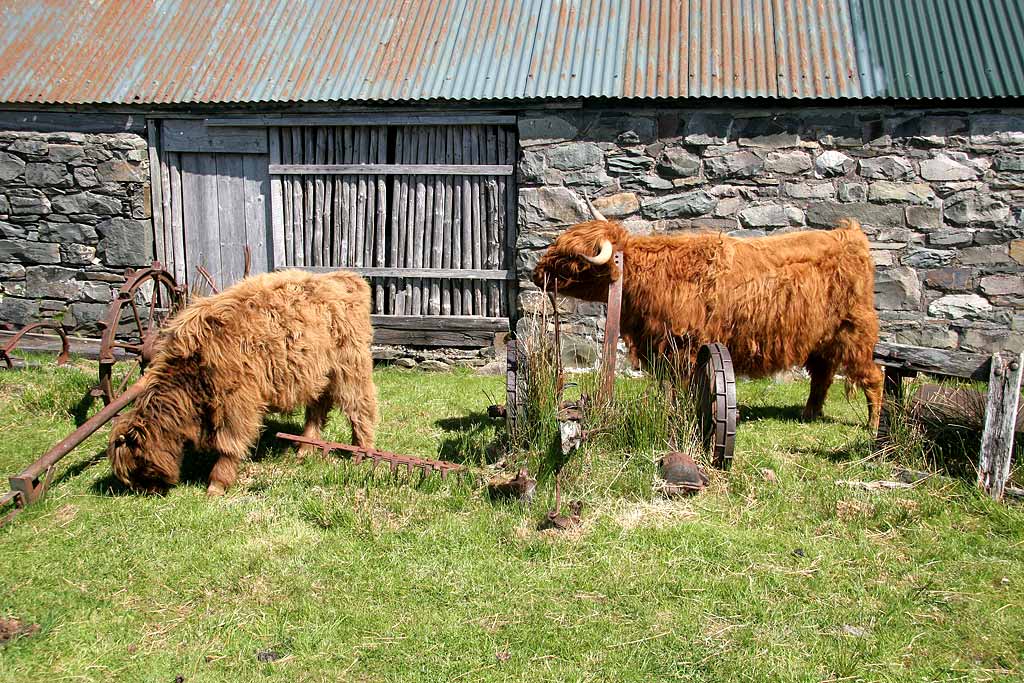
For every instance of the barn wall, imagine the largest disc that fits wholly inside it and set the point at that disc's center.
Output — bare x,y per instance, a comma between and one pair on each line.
939,193
74,213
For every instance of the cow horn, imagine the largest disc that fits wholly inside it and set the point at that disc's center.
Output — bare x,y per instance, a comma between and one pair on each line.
603,256
597,214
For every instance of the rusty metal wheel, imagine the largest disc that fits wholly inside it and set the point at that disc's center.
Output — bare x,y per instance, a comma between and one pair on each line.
143,304
714,397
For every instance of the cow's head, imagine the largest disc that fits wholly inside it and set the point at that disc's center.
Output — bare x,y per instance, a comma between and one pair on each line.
580,261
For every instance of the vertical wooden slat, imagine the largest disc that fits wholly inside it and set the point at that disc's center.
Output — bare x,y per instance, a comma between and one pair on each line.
177,219
368,215
424,227
255,181
337,219
286,199
493,223
349,200
360,148
325,248
466,247
438,222
201,213
511,227
320,157
297,199
309,196
277,240
156,191
446,225
381,216
411,156
1000,422
394,228
167,212
229,173
479,292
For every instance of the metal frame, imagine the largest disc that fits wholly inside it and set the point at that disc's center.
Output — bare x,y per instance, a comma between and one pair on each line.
5,352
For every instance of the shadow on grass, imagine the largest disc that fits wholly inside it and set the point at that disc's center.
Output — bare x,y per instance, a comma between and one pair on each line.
469,439
794,413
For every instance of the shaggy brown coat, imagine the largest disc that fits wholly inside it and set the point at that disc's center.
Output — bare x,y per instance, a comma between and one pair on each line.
270,343
802,298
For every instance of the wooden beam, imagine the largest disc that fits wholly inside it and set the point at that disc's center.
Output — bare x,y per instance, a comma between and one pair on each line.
367,120
392,169
933,361
1000,418
155,191
193,136
438,273
430,330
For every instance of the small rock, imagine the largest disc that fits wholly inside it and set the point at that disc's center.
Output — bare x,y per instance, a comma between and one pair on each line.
944,168
799,552
266,656
976,209
855,631
678,163
788,163
688,205
886,168
769,475
957,306
617,205
405,363
431,365
885,192
737,165
809,190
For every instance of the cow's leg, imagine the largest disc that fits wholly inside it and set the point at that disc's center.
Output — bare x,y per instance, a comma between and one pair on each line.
236,427
867,375
316,419
356,394
821,371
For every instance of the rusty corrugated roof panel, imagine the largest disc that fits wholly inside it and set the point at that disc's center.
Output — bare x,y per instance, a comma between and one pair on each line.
194,51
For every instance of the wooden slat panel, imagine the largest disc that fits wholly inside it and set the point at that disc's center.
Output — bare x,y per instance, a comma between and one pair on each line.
368,119
156,191
440,273
361,149
393,169
230,227
437,330
255,184
318,138
298,238
308,196
177,218
199,191
194,136
380,218
278,241
479,294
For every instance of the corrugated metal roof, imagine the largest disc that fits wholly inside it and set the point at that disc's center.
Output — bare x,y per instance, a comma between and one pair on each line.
940,48
193,51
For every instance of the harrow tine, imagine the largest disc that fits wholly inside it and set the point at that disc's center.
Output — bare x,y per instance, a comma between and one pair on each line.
425,465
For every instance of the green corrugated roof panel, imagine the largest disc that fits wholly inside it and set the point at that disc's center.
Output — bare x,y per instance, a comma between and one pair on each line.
943,49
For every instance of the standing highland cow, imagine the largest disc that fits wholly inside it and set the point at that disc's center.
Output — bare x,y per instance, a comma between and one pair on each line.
803,298
271,343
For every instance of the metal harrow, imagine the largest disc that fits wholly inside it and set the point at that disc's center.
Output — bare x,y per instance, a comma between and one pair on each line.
394,460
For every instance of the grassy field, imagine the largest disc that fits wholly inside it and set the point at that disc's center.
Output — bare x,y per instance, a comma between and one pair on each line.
319,571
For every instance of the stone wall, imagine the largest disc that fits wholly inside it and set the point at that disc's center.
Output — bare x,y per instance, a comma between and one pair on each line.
74,214
939,194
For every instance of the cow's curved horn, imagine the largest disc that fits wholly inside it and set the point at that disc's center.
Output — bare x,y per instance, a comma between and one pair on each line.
597,214
603,256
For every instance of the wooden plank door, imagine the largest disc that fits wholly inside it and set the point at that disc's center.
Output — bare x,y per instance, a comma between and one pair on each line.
214,201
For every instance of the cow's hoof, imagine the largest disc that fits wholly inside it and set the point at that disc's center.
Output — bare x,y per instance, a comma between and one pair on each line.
810,415
214,490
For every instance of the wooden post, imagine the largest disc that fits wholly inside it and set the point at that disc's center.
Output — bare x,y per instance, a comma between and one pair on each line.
892,397
611,333
1000,419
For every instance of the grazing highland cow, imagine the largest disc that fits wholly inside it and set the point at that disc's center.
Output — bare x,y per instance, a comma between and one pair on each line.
804,298
271,343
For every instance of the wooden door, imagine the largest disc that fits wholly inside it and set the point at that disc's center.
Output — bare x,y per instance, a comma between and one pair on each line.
213,186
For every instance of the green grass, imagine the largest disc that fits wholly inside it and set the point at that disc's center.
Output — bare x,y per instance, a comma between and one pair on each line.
352,576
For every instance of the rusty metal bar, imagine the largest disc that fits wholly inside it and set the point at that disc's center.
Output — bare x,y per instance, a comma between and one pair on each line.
359,454
5,352
611,332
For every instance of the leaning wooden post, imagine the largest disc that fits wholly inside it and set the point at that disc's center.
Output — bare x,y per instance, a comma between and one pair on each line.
1000,420
611,332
